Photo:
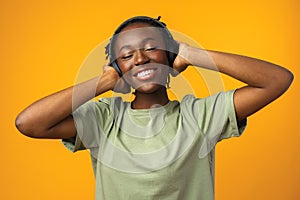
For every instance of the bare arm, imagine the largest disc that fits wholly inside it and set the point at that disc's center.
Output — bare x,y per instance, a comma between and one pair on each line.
51,116
265,81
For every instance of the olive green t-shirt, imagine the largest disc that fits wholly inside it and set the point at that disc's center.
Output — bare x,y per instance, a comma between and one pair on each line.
165,152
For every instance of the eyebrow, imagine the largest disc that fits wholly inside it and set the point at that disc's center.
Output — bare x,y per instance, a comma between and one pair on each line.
143,42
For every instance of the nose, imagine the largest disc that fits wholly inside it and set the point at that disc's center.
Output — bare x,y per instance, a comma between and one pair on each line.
140,57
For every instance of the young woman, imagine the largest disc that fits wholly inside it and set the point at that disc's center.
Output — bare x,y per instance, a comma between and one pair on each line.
154,148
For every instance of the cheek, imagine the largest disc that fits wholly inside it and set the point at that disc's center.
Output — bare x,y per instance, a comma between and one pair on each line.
160,57
125,66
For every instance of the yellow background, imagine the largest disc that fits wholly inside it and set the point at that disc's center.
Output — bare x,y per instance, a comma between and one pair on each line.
43,43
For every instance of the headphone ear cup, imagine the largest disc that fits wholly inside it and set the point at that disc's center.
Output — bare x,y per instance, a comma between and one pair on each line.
172,51
115,65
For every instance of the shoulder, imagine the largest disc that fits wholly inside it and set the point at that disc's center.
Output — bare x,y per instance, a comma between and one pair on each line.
102,106
220,96
215,102
103,103
113,103
110,100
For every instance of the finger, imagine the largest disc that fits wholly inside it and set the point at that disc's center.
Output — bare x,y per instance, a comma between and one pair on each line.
107,68
174,72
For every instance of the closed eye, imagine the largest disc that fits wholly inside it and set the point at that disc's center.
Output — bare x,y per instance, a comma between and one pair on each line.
125,57
150,48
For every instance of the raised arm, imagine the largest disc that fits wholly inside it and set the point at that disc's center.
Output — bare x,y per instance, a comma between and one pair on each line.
51,116
265,81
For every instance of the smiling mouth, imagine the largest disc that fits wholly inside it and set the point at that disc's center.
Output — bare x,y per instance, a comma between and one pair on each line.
145,74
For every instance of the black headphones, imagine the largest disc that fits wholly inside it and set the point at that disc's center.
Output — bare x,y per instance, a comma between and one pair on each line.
171,44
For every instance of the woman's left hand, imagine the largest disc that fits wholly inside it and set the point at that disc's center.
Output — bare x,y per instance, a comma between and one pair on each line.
180,63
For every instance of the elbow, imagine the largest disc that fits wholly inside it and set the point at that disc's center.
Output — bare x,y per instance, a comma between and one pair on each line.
20,124
287,79
282,82
291,77
23,125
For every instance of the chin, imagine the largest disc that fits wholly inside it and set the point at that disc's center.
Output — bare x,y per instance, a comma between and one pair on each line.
149,88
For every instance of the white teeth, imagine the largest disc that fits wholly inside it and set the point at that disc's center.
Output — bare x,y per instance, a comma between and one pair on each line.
144,73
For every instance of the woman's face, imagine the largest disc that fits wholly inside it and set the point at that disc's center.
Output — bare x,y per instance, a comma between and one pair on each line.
141,56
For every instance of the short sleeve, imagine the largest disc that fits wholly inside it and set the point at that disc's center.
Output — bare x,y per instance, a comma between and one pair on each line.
232,127
90,120
216,119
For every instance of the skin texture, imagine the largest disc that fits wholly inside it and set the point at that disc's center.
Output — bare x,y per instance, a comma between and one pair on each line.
51,116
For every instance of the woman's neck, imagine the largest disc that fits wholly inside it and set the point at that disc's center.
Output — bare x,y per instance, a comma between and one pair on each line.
149,100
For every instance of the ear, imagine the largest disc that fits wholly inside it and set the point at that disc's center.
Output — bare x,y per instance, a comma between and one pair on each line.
172,51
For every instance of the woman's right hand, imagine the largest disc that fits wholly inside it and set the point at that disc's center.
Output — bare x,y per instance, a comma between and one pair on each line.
117,83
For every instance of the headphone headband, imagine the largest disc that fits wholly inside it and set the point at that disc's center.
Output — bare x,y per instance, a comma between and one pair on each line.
143,19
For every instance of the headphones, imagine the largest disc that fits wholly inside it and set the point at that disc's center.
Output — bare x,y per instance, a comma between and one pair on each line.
171,45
